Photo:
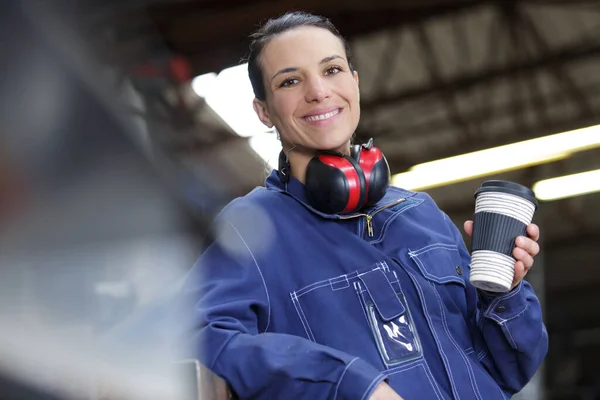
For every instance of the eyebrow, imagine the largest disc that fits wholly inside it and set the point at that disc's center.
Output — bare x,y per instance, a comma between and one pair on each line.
294,69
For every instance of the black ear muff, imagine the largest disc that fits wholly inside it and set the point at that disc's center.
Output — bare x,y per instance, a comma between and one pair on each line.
340,184
335,183
284,169
355,150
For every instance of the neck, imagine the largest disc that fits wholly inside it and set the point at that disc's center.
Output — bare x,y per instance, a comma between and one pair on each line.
300,156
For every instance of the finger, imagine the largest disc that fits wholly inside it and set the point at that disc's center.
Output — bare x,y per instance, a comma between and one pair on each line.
530,246
520,272
523,256
533,231
468,226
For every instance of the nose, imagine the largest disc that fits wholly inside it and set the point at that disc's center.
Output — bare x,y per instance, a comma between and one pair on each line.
317,90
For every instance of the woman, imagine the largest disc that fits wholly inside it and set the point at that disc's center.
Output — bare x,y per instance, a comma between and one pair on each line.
301,297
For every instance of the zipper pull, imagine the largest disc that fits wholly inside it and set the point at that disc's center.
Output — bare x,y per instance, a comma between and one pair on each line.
370,225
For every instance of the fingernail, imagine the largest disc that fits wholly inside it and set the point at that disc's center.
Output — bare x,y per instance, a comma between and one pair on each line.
521,240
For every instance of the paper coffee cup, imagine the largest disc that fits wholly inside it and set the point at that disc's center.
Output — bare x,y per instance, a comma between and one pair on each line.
502,212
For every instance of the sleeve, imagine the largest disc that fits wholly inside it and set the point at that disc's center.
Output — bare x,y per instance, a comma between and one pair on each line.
230,335
515,339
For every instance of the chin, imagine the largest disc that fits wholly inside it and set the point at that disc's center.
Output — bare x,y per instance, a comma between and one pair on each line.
335,145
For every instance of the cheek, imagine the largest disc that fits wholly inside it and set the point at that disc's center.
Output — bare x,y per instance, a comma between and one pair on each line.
354,99
284,108
352,93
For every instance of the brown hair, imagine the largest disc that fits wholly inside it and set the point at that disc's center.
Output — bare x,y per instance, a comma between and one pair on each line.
276,26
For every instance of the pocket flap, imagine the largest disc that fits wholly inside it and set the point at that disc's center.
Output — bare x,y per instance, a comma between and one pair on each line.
440,263
382,293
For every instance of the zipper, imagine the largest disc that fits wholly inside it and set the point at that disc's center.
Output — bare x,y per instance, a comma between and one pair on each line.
369,217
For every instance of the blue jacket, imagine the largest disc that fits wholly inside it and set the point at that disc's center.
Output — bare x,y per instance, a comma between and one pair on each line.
296,304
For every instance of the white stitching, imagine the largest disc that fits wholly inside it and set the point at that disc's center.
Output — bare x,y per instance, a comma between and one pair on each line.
482,354
462,355
325,282
397,281
424,370
375,381
404,369
307,324
373,298
368,272
434,334
389,283
430,276
518,315
333,280
342,377
489,313
503,297
405,365
361,301
393,216
312,288
385,267
432,246
294,299
259,272
434,382
512,341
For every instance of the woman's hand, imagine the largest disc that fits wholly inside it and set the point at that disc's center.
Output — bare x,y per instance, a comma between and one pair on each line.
383,391
527,248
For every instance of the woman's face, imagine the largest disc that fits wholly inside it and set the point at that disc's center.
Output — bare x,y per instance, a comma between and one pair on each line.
312,96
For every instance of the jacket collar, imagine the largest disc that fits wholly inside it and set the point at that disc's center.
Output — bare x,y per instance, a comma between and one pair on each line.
297,190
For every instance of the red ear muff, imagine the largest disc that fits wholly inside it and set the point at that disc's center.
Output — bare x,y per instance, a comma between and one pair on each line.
341,184
377,174
335,183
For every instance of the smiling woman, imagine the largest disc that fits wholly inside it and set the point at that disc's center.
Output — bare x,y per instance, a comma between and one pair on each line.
310,94
342,286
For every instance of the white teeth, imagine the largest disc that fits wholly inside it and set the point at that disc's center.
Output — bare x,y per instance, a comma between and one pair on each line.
322,116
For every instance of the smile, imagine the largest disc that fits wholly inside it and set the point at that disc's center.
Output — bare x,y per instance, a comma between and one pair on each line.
321,117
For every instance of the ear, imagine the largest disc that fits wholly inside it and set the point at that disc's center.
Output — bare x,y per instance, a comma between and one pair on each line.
260,108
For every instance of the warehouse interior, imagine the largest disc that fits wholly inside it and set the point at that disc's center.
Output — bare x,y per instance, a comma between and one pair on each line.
116,157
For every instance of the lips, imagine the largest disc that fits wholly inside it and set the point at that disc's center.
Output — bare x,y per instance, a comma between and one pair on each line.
321,117
321,114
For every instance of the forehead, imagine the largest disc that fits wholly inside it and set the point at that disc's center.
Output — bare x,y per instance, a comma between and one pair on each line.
300,47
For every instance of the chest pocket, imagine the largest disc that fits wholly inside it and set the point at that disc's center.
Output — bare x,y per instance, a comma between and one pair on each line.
441,264
362,313
390,319
446,277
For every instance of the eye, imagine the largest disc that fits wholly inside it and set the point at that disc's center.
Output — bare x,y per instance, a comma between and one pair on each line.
333,70
289,82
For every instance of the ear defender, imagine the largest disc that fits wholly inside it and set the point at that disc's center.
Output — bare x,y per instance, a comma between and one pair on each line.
341,184
284,169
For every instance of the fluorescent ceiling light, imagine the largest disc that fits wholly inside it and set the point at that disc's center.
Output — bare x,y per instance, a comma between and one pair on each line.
498,159
205,85
268,147
568,186
230,94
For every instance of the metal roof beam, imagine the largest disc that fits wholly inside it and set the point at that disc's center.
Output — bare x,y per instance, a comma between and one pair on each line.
580,51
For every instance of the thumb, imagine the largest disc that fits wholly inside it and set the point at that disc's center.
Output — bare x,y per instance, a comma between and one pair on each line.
468,226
